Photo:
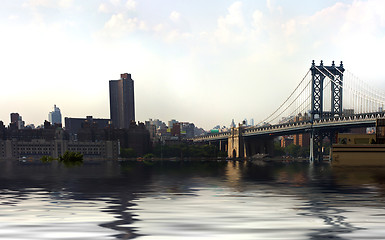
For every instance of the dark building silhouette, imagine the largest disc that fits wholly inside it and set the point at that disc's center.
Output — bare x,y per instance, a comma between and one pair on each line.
73,125
122,105
2,131
14,117
136,136
17,121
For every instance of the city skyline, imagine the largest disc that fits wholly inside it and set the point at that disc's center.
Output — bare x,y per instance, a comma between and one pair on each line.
206,63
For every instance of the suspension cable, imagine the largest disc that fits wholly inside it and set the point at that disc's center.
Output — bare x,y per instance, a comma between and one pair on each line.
286,99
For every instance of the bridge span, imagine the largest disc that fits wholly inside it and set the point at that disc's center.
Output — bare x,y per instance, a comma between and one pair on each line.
243,141
349,103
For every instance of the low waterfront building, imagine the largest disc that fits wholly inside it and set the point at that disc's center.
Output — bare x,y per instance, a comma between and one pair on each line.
37,148
52,141
286,141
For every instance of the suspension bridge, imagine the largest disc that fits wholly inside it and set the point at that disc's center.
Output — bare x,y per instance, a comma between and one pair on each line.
328,100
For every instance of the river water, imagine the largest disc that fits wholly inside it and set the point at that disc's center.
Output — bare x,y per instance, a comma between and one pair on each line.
190,200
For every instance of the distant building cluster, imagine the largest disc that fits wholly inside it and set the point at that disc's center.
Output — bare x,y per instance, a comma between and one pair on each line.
174,131
95,138
51,140
302,140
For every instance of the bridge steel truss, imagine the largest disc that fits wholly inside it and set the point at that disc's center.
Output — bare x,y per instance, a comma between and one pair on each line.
323,127
319,73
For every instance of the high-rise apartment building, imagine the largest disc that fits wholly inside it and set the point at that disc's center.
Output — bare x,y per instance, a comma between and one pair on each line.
122,105
55,116
17,121
14,117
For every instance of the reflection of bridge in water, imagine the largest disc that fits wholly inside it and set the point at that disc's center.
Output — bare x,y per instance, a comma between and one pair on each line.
309,109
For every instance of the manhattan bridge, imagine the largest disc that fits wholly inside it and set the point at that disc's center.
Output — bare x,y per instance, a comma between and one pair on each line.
329,100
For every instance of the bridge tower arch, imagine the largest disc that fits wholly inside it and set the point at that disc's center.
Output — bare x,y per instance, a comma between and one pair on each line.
236,145
319,73
234,154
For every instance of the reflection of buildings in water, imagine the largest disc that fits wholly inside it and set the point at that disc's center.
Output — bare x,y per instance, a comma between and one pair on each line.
332,217
360,176
97,181
314,186
319,192
335,194
294,178
233,173
120,208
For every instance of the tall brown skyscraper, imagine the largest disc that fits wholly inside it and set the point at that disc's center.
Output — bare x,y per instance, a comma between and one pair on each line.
14,117
122,105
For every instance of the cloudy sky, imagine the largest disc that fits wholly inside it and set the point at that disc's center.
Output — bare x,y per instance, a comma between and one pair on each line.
206,62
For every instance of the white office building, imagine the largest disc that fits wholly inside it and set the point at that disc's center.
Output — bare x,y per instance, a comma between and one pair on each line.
55,116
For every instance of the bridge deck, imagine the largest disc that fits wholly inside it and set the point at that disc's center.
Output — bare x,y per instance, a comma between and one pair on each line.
353,121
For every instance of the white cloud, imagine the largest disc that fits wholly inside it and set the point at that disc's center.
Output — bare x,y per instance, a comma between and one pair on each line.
115,2
158,27
269,4
119,25
116,6
37,3
49,3
175,35
103,8
289,27
175,16
234,17
258,20
131,4
13,17
232,23
122,23
65,3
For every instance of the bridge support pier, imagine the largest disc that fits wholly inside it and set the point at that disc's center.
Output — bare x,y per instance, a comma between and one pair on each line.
261,145
316,139
239,146
235,145
317,143
311,155
223,145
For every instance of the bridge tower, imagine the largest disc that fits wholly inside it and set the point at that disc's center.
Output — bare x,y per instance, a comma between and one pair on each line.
319,73
335,74
236,146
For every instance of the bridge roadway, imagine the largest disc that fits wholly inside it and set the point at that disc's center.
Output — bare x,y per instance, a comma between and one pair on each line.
336,123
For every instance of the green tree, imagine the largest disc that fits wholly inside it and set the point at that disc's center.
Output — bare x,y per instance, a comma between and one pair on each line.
184,150
304,152
278,150
127,153
293,150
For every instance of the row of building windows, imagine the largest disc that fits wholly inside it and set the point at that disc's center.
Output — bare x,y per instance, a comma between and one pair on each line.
52,149
87,150
34,153
85,146
34,149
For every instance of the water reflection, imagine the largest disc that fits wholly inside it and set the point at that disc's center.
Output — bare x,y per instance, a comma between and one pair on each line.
190,200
